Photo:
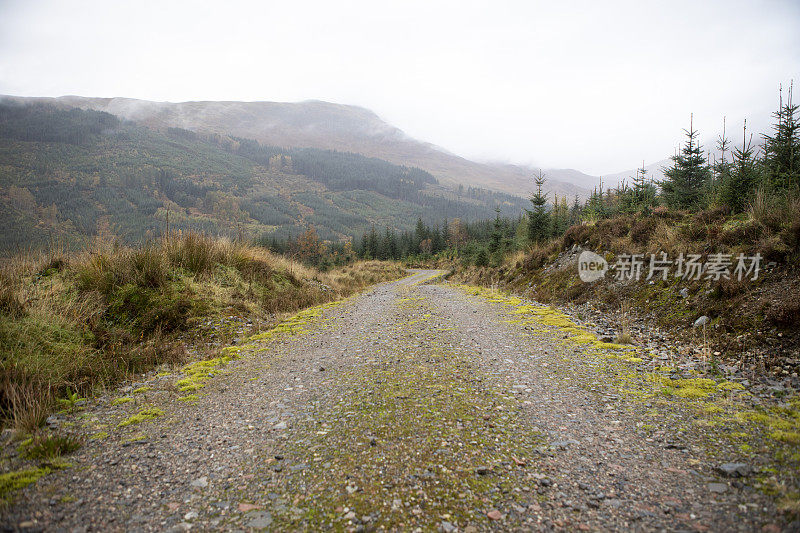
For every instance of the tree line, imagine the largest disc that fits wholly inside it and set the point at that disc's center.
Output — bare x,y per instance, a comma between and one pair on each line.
733,181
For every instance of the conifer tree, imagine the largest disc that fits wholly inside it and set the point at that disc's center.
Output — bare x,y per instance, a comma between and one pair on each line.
743,176
782,149
372,244
390,244
721,169
595,206
686,180
639,186
559,216
496,241
575,212
538,219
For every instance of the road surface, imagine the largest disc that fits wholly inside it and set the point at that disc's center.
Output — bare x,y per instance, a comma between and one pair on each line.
413,405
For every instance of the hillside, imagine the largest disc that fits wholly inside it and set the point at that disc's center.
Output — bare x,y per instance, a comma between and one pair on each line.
328,126
72,174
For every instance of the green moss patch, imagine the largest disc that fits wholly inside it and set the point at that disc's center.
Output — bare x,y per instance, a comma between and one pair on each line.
13,481
199,372
143,415
121,401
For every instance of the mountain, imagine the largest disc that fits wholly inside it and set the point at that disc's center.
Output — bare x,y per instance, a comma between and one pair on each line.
69,174
329,126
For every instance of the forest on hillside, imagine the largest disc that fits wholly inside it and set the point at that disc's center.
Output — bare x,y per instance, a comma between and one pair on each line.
69,175
752,191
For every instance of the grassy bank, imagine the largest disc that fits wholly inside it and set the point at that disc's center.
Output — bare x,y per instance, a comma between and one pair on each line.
72,323
743,314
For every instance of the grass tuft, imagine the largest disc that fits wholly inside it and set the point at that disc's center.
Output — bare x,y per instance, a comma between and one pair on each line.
71,324
50,446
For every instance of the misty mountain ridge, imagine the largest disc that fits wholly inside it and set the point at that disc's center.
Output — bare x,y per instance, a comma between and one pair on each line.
330,126
72,174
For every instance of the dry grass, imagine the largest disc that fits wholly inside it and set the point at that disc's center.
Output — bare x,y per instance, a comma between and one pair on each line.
88,319
624,336
515,260
665,238
774,211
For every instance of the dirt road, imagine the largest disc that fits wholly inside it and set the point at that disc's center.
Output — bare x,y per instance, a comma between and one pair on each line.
413,405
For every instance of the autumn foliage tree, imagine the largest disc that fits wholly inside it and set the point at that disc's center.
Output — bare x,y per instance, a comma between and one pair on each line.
308,248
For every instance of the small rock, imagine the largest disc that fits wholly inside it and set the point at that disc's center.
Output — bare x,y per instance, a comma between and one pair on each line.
684,292
279,425
259,519
447,527
718,488
563,444
494,514
702,321
734,469
191,515
201,482
246,507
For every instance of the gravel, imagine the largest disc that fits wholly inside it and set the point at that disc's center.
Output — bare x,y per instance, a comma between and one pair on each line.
433,411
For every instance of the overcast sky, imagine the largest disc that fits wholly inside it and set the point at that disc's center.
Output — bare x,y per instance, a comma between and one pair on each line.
596,86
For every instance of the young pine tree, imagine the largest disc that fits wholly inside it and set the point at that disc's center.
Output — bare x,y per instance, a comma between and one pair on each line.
538,219
721,170
742,178
496,238
595,206
782,149
575,212
644,192
559,217
687,179
639,185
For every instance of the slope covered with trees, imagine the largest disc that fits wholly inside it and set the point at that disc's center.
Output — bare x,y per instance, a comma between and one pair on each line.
71,174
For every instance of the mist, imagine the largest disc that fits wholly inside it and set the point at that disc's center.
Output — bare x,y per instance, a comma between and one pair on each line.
591,86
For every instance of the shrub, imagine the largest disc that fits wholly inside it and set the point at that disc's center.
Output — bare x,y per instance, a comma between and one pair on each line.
616,227
642,230
738,232
481,258
772,248
579,234
785,312
708,216
148,309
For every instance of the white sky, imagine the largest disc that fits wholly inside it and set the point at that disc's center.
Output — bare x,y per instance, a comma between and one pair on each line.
596,86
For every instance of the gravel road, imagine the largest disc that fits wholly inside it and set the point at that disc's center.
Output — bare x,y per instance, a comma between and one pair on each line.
415,404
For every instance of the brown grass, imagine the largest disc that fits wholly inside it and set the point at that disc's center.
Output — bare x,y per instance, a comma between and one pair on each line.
89,319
